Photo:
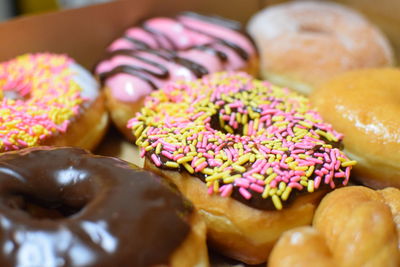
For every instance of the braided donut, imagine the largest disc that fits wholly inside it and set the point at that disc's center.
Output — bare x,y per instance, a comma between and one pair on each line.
229,135
67,207
353,226
161,50
48,99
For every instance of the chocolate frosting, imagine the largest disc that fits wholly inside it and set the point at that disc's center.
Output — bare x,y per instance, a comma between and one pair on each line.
67,207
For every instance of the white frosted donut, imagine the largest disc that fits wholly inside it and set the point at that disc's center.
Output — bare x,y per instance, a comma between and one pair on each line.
305,43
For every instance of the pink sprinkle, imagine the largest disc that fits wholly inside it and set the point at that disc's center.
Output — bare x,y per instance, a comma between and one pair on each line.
295,185
317,181
156,160
201,166
257,188
227,191
242,182
246,194
142,152
210,190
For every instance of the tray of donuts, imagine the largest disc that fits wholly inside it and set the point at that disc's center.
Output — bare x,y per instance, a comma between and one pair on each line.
241,136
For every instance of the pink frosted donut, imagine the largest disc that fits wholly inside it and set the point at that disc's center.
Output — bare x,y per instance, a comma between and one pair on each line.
303,44
164,49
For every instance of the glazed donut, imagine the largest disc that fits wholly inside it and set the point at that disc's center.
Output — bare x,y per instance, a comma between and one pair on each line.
67,207
48,99
303,44
364,106
229,135
364,232
167,49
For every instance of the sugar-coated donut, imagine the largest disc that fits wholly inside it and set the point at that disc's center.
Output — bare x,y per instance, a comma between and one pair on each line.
164,49
364,105
48,99
229,135
305,43
67,207
353,226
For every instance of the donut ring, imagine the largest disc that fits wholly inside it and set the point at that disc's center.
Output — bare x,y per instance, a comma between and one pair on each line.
247,139
305,43
364,106
49,99
364,232
67,207
164,49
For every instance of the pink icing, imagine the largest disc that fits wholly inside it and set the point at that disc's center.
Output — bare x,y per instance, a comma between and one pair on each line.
174,36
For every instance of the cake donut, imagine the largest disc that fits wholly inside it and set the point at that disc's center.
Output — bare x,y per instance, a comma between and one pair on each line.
364,105
164,49
67,207
48,99
304,43
364,232
252,157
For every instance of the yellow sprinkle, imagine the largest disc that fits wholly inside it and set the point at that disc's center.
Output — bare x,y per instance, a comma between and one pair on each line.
310,171
265,194
282,186
303,183
349,163
301,168
171,164
188,167
199,161
277,202
258,176
310,186
269,170
243,159
148,148
289,159
238,168
216,186
158,148
286,193
231,179
271,177
185,159
305,124
192,154
138,131
207,171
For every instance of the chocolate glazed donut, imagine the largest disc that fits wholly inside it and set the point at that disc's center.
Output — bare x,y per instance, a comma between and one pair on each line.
66,207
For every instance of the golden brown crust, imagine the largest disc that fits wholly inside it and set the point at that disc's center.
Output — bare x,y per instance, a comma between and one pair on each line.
235,229
87,130
193,251
363,105
121,111
353,226
303,44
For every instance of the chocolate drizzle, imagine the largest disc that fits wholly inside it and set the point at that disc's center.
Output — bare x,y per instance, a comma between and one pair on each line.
64,206
167,50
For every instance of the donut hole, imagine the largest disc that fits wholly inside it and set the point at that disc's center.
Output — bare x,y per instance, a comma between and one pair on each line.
313,29
39,208
14,95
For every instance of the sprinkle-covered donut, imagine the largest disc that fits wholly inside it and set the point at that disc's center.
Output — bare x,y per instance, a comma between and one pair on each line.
248,139
165,49
44,97
67,207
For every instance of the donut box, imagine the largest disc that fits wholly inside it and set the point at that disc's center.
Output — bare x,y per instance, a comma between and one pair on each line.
84,34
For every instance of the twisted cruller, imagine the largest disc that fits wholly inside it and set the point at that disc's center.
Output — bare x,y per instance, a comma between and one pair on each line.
40,96
247,139
240,134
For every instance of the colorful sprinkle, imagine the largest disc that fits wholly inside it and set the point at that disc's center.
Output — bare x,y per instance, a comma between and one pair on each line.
38,99
244,135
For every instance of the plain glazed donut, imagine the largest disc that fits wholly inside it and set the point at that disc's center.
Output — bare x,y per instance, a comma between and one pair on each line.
67,207
364,105
48,99
352,227
161,50
303,44
229,135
